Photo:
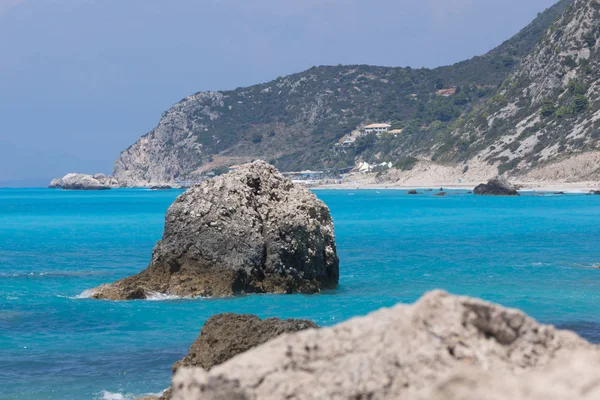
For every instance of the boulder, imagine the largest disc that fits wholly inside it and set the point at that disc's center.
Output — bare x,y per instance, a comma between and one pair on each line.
442,347
596,192
496,187
224,336
249,231
81,182
412,192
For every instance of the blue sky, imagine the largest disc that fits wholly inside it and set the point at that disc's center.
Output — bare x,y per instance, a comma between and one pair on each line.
81,80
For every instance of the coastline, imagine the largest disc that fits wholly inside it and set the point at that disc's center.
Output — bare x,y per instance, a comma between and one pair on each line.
575,187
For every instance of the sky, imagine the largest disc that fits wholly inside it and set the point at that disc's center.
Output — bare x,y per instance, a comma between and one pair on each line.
81,80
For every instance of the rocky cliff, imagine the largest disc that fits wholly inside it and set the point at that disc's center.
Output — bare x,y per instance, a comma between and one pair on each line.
547,111
294,122
249,231
442,347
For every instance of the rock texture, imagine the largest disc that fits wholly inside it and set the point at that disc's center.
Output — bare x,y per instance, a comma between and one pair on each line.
496,187
442,347
545,113
249,231
224,336
84,182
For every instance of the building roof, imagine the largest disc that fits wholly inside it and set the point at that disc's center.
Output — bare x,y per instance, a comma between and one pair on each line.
446,92
375,126
395,131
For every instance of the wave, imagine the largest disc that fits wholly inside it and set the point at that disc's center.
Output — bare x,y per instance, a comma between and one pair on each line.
51,274
157,296
106,395
86,294
150,296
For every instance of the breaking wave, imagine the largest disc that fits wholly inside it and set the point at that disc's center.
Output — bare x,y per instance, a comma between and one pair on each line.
106,395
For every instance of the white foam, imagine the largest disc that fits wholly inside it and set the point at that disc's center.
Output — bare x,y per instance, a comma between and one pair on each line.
157,296
150,296
86,294
106,395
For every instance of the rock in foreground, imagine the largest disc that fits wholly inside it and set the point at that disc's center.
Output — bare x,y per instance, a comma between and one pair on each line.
224,336
84,182
496,187
442,347
248,231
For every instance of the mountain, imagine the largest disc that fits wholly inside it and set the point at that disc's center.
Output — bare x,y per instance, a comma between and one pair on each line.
547,113
295,122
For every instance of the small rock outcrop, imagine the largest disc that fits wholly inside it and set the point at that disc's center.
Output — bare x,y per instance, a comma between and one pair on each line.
224,336
249,231
442,347
84,182
496,187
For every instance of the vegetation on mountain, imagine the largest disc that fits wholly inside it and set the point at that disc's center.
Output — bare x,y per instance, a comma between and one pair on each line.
296,121
549,108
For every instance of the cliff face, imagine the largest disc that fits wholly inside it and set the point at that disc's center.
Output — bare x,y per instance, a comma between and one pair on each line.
294,122
548,110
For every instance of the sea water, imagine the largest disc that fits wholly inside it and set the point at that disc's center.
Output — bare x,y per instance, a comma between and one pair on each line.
536,253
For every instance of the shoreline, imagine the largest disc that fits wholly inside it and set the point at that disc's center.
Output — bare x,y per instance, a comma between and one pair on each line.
572,188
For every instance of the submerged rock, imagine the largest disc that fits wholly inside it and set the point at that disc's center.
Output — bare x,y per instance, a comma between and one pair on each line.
161,187
224,336
248,231
442,347
496,187
83,182
412,192
440,194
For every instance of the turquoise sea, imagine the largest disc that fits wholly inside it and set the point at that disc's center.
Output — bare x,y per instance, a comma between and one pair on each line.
535,253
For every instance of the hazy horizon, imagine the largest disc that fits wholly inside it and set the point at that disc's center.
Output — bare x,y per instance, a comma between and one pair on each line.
82,80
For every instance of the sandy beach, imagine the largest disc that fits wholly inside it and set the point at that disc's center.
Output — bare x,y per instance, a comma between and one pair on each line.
566,187
577,187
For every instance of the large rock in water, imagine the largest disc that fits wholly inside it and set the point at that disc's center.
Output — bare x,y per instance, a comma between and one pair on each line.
224,336
496,187
83,182
249,231
442,347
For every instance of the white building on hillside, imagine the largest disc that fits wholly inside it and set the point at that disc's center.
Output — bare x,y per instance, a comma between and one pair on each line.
377,128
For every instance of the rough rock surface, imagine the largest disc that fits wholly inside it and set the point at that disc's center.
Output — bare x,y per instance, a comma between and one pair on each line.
442,347
496,187
224,336
84,182
249,231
